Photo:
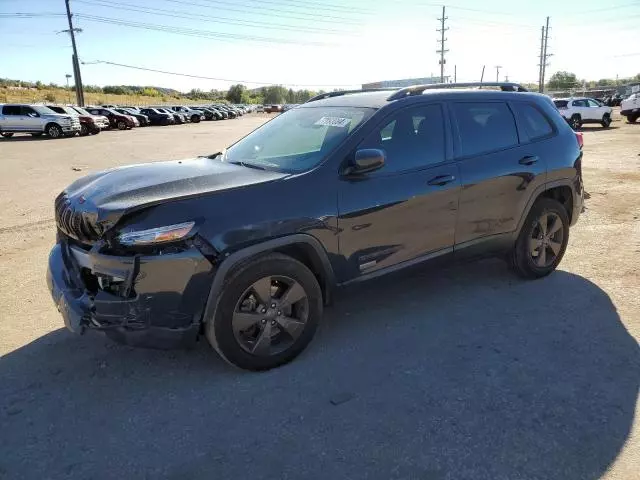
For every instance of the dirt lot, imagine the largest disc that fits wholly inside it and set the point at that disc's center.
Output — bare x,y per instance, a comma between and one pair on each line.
457,373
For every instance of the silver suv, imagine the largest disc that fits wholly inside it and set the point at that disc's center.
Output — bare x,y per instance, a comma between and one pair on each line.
36,120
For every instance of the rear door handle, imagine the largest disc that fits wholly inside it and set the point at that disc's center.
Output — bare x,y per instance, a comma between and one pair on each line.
530,160
442,180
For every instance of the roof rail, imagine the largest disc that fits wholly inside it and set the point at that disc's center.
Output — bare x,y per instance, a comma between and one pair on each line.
418,89
339,93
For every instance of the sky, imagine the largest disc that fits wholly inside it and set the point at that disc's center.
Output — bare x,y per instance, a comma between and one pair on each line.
314,43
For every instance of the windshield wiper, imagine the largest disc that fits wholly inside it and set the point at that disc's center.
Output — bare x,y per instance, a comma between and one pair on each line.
248,165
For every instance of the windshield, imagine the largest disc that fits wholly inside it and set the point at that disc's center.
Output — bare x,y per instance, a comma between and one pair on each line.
81,111
297,140
43,110
70,111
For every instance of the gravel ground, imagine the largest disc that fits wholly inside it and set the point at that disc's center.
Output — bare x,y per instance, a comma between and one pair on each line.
463,372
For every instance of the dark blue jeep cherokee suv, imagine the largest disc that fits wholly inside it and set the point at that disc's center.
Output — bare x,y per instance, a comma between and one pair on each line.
246,246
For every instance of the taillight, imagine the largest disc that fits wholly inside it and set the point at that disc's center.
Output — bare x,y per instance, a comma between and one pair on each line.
580,139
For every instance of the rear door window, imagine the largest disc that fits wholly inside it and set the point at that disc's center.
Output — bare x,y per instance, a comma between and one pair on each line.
11,110
535,123
484,127
561,103
579,103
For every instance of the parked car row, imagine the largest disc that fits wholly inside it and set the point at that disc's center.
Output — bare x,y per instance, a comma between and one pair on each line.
57,121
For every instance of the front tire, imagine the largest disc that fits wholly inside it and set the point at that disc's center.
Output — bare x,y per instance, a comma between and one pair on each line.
632,118
7,134
195,119
542,240
606,120
54,131
267,314
575,122
84,130
121,125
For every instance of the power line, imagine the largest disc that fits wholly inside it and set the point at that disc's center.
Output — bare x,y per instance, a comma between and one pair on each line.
307,4
208,18
189,32
442,41
280,12
31,15
202,77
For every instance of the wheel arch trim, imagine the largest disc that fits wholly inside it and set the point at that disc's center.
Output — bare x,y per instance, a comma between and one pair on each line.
563,182
237,258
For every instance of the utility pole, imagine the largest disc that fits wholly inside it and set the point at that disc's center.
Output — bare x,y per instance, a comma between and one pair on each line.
75,61
482,75
545,55
68,90
498,67
540,82
442,40
455,74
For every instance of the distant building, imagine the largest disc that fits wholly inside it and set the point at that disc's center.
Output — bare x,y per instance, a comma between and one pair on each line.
406,82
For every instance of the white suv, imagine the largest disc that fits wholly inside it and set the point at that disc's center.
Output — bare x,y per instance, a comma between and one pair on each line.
36,120
580,110
630,107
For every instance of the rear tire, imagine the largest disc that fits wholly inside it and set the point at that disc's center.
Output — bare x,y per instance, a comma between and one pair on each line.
606,120
287,328
7,134
539,249
632,118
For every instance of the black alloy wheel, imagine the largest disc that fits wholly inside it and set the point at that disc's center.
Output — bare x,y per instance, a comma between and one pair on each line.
270,315
121,125
546,239
542,240
267,312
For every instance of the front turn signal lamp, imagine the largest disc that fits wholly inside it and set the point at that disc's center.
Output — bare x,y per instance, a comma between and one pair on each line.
154,236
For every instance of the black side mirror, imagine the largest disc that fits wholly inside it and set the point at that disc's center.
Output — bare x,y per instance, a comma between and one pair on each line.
366,160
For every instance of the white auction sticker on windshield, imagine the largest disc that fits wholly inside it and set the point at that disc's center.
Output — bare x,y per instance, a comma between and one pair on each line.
334,122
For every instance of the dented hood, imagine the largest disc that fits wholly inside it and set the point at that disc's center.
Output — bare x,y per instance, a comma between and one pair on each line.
104,197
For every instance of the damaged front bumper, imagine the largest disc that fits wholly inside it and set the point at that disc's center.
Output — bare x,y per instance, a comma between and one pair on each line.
142,300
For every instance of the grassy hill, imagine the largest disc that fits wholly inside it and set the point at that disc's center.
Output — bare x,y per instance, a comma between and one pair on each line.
62,95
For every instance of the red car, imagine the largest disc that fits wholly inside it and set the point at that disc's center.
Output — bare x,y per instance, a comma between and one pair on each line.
89,124
117,120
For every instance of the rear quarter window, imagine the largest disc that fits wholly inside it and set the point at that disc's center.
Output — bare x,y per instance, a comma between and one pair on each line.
11,110
485,127
560,103
533,120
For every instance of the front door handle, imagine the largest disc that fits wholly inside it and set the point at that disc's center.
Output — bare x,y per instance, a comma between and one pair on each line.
529,160
441,180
